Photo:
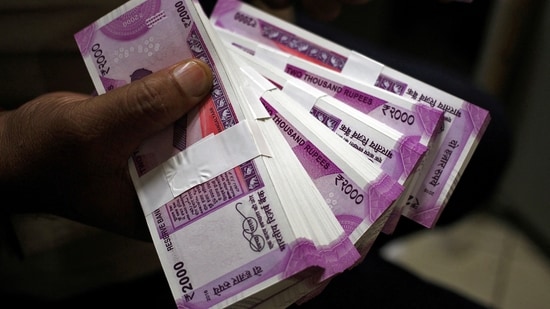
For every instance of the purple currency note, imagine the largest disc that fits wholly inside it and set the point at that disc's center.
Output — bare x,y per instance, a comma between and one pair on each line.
463,126
356,207
412,119
454,149
229,237
236,203
398,158
239,17
425,206
150,36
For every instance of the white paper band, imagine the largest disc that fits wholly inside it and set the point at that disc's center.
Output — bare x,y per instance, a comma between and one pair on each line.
303,93
362,68
274,57
202,161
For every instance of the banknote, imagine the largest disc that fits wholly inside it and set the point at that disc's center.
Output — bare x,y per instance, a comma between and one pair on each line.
399,155
215,193
142,38
464,122
420,123
268,30
400,113
463,127
357,190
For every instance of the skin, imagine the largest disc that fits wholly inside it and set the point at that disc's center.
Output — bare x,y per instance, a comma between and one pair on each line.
67,153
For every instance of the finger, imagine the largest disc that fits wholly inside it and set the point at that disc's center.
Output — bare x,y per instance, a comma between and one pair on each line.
146,106
322,10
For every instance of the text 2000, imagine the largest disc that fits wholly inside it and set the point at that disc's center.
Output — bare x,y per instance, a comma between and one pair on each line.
348,189
184,281
100,59
397,114
183,14
245,19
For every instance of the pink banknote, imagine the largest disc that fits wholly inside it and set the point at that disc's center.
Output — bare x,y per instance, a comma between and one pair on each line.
144,38
218,223
463,126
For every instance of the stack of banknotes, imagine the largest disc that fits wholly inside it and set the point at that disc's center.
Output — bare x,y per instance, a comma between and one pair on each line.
303,153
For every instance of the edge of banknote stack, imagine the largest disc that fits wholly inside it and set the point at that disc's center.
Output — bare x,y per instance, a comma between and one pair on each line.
303,153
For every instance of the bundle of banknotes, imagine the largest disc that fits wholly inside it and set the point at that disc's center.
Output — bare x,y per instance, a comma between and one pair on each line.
303,153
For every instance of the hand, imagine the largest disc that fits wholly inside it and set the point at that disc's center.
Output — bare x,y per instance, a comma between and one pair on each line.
67,153
323,10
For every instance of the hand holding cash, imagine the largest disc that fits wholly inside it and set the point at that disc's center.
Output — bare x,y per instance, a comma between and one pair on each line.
302,153
84,143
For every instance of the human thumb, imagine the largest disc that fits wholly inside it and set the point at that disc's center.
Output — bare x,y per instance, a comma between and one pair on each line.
147,106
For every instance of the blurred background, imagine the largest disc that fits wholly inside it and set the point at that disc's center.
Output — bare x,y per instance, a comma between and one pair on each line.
503,47
501,250
496,253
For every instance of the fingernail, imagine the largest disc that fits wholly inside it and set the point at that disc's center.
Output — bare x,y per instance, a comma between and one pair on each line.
193,79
